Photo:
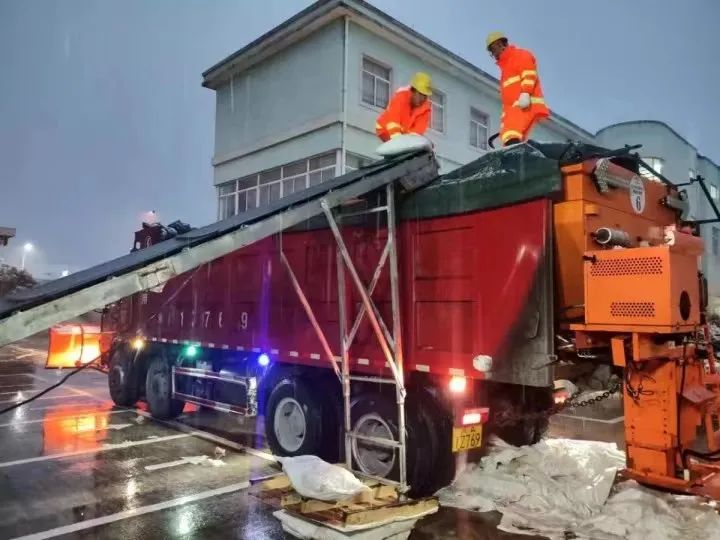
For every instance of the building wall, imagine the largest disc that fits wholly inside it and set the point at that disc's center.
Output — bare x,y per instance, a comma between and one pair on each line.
293,96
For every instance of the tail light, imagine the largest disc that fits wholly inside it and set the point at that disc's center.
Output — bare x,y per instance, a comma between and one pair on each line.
457,384
475,416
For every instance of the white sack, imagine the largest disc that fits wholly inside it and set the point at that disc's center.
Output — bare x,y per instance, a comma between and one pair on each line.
314,478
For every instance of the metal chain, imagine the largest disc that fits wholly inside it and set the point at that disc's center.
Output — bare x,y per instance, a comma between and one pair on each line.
509,418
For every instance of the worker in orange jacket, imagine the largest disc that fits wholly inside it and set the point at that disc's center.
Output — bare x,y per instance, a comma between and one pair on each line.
523,104
408,111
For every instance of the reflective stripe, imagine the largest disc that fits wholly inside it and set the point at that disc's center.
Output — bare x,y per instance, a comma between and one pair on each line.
511,80
527,82
393,125
537,100
529,72
393,135
511,135
378,126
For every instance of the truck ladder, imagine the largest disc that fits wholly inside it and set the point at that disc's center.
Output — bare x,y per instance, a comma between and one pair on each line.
26,313
389,338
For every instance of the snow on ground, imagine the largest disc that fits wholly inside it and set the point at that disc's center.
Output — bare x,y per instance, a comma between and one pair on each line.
562,486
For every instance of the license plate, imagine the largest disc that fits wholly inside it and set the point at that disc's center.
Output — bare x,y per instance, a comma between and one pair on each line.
467,438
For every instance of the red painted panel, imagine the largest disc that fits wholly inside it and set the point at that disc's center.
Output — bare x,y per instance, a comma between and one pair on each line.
464,281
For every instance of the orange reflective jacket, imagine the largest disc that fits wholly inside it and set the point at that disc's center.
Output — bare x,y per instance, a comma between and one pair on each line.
400,117
518,74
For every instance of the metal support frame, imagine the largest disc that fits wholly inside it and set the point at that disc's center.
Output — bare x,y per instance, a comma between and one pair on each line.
389,339
250,384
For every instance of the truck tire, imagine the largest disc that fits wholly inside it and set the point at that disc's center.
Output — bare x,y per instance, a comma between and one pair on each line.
293,419
158,390
375,415
122,379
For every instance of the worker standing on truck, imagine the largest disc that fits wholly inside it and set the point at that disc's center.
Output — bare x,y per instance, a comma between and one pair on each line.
408,111
523,104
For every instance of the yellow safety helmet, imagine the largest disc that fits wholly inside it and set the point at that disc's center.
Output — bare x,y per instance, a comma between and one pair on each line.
493,37
422,83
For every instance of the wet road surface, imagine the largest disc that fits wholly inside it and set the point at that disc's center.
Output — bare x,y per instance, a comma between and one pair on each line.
73,465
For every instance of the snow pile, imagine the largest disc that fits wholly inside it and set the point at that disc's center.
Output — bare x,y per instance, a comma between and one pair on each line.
560,486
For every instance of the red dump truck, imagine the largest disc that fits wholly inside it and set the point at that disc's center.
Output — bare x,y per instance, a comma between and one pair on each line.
400,324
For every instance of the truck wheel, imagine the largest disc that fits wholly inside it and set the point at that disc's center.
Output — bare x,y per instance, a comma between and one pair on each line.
158,390
122,381
375,415
293,419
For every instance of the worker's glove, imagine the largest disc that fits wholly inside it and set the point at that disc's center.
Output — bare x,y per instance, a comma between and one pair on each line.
523,101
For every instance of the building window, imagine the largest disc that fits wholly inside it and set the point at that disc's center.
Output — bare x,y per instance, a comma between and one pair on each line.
714,193
266,187
375,83
715,241
478,129
354,162
437,119
654,162
227,200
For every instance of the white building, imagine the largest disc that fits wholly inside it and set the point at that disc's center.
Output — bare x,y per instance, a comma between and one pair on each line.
298,106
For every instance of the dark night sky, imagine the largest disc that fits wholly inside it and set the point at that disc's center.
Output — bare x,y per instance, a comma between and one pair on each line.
102,116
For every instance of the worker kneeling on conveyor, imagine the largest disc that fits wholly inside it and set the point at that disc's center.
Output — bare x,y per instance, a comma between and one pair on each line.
408,111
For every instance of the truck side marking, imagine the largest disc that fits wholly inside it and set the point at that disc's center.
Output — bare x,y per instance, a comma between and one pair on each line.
315,356
294,354
274,351
456,371
423,368
363,361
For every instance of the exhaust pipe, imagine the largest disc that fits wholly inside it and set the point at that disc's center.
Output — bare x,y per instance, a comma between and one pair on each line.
606,236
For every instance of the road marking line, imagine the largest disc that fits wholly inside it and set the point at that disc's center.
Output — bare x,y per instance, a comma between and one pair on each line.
76,404
90,523
18,374
103,448
210,437
75,415
44,398
23,389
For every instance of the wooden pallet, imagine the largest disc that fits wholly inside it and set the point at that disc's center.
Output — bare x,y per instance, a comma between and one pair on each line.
378,505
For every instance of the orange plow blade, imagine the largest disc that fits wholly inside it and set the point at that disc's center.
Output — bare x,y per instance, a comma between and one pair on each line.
72,345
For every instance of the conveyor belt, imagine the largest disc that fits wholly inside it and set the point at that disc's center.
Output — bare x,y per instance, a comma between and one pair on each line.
30,311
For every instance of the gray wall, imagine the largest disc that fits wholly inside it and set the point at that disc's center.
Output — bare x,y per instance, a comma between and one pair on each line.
292,98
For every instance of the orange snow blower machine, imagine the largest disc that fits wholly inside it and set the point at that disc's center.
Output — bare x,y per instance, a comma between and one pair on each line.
627,270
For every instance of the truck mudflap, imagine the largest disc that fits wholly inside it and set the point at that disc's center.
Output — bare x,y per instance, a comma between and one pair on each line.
72,345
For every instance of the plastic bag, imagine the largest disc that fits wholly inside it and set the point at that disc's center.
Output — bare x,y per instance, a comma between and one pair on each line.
314,478
403,144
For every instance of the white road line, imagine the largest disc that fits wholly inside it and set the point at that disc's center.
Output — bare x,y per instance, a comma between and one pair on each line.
16,391
43,398
210,437
90,523
17,375
103,448
52,418
75,404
